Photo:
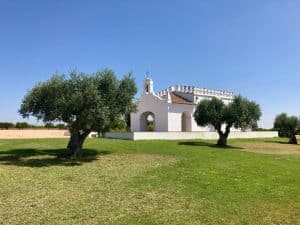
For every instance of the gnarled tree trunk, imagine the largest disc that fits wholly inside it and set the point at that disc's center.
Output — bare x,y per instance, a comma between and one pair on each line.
76,141
293,139
222,141
223,135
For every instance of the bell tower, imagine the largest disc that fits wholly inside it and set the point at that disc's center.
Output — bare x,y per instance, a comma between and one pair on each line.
148,85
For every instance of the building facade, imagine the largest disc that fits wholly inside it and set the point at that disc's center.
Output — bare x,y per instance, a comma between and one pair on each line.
172,109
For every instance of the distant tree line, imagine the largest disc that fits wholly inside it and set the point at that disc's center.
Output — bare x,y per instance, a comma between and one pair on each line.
118,126
25,125
262,129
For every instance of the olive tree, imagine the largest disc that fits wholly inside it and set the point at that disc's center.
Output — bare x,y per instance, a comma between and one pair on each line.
84,102
241,113
287,126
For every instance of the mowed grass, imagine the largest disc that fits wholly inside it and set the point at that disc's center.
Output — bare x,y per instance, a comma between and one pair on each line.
150,182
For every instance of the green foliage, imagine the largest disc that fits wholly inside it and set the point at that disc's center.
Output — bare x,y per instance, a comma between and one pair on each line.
241,113
119,124
60,126
84,102
49,125
286,125
262,129
150,126
22,125
210,112
6,125
127,121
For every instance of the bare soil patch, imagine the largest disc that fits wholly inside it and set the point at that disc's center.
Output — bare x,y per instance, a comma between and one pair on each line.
32,133
269,147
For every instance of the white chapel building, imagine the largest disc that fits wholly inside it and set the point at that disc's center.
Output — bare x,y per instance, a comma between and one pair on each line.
172,109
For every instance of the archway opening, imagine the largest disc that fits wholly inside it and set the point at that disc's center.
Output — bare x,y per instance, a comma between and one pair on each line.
147,121
186,122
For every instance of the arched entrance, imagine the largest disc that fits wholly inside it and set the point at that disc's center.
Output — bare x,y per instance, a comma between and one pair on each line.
186,122
147,121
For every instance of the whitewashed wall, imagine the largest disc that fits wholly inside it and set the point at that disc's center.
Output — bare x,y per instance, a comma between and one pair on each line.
167,115
119,135
175,113
186,135
154,104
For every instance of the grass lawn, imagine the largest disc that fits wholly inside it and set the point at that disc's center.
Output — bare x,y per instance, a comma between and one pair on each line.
150,182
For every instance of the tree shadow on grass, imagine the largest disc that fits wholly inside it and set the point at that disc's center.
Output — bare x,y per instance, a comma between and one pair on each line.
46,157
207,144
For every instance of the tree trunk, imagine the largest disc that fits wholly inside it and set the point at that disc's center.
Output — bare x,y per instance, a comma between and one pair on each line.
223,136
293,139
76,142
222,140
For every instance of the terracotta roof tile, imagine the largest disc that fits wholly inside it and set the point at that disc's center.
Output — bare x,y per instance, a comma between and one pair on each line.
179,100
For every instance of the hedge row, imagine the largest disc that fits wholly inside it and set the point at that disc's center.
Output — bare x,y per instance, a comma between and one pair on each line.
23,125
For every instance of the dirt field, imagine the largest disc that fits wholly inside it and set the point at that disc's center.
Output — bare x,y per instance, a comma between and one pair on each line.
33,133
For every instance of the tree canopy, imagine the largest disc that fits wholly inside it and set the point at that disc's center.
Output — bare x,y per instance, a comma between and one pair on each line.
241,113
85,102
287,126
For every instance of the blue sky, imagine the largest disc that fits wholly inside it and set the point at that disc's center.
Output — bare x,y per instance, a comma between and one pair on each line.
249,47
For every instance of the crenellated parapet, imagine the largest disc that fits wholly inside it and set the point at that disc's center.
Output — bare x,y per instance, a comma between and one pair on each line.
197,91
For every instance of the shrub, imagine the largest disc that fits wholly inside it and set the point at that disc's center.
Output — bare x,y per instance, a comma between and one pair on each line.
6,125
22,125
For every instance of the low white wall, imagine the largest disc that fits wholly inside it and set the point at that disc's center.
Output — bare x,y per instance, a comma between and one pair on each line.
186,135
120,135
44,133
